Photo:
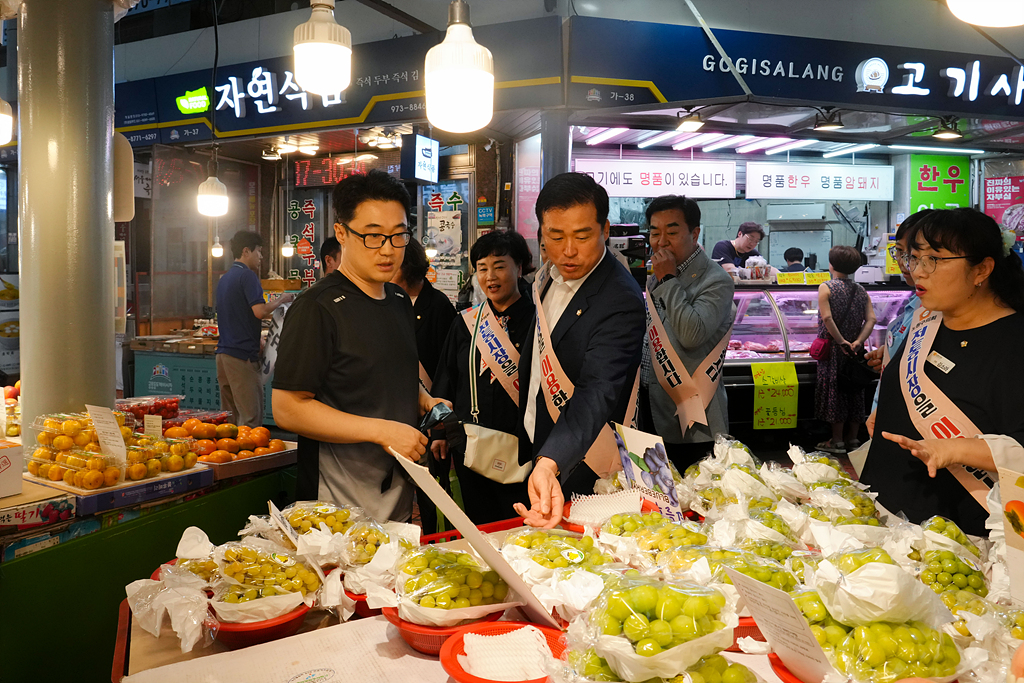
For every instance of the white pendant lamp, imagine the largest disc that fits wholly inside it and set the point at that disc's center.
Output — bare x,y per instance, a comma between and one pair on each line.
430,248
6,122
323,52
212,199
287,250
995,13
217,250
459,75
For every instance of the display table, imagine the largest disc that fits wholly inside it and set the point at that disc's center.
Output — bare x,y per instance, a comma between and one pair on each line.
365,650
71,591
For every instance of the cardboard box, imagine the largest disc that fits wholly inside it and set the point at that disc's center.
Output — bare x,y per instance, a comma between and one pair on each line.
37,505
11,465
190,346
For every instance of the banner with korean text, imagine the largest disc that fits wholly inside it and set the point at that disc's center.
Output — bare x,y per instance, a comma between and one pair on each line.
642,178
861,182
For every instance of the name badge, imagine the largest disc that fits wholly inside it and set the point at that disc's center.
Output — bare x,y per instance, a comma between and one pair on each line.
940,361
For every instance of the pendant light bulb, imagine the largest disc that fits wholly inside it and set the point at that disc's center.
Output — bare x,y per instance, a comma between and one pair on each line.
994,13
323,52
287,250
212,199
217,250
459,76
430,247
6,122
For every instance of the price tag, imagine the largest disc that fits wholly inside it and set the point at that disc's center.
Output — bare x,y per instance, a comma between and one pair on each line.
153,425
108,432
283,524
791,278
776,391
817,278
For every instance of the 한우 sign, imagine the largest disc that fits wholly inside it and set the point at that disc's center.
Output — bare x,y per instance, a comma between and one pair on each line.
769,180
638,178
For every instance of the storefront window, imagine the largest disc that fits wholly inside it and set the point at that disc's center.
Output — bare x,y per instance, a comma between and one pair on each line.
448,207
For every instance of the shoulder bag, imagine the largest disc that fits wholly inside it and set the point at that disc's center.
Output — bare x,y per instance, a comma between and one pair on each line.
489,452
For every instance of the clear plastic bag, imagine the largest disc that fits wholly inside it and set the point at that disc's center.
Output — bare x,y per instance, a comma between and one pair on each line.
816,467
536,553
942,570
255,568
361,542
947,528
881,652
304,516
783,483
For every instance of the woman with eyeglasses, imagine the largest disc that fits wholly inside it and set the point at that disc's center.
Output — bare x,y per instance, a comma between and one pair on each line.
950,398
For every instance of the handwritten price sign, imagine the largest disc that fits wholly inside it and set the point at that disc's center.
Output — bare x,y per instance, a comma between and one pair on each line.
775,395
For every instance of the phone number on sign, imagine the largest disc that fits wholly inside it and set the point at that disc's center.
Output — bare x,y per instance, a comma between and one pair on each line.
415,106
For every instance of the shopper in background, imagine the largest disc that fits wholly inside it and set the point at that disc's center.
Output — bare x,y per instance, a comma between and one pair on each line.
330,255
958,373
594,314
733,254
240,308
694,300
898,326
346,378
845,316
433,310
499,258
794,260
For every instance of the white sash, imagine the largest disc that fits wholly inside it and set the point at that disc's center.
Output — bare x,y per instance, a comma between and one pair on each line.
692,395
497,350
933,414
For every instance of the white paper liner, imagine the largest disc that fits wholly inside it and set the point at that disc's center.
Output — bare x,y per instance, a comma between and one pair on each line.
933,541
783,483
322,546
742,485
870,536
753,647
194,545
381,569
831,503
257,610
797,519
570,594
808,473
625,549
630,666
593,510
333,595
180,597
877,592
519,655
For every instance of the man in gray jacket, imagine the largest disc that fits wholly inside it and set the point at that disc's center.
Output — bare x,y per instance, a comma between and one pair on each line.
694,299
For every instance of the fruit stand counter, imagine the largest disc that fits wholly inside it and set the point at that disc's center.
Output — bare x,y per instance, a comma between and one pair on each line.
72,590
191,375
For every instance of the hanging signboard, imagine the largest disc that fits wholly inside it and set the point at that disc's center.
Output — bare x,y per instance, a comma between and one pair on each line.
939,182
770,180
642,178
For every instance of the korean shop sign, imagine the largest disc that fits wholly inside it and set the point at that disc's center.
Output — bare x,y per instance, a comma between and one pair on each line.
640,178
939,182
862,182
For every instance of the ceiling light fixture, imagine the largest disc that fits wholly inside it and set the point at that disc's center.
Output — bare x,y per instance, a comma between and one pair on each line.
287,249
942,150
660,137
212,199
796,144
309,149
217,250
995,13
828,119
697,140
271,154
286,147
728,142
948,129
761,144
606,134
366,157
689,124
459,77
323,52
850,149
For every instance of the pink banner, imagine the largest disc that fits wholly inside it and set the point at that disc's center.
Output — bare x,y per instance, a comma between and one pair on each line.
1004,201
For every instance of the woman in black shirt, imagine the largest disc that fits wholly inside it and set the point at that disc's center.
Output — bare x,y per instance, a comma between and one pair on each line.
499,258
964,272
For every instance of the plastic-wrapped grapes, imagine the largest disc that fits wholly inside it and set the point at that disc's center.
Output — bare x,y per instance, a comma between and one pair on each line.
557,549
205,569
669,536
773,522
363,541
590,667
776,551
764,569
627,524
262,573
863,504
814,512
682,559
950,530
883,652
827,631
715,669
943,570
852,561
801,561
858,521
305,516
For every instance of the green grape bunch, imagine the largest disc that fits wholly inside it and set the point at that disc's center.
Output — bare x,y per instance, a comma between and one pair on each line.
943,570
559,550
627,523
950,530
715,669
885,652
827,631
847,563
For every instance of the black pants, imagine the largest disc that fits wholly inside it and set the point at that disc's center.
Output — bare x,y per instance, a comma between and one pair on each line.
682,455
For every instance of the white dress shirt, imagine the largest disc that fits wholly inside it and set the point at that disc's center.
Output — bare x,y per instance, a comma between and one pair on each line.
559,294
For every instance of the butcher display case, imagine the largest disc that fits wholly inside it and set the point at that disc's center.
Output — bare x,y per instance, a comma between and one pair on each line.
777,323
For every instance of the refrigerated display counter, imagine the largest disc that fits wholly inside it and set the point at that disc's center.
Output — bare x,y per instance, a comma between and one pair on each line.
777,323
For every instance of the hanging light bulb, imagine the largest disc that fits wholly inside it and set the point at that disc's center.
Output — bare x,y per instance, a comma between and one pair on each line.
323,52
948,129
287,250
459,75
995,13
212,199
217,250
6,122
430,246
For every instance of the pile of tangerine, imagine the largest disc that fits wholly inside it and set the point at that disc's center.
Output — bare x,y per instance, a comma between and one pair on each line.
226,442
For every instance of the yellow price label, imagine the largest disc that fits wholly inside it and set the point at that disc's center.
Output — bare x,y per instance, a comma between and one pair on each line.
817,278
791,278
776,394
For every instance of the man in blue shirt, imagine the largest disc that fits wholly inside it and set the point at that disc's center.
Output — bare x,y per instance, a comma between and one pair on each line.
240,308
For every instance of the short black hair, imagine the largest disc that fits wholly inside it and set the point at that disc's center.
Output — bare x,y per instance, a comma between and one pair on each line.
845,259
668,202
910,221
749,227
361,187
331,247
501,243
415,263
567,190
244,239
793,254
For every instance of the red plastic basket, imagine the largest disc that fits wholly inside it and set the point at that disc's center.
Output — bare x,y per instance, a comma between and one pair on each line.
156,573
787,676
362,609
455,647
747,628
244,635
428,639
445,536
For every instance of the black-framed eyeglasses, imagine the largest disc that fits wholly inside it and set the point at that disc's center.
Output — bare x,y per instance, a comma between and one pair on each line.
928,263
376,240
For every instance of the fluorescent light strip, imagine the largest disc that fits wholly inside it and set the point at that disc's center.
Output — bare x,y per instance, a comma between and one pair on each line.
941,150
735,140
661,137
852,149
796,144
761,144
605,135
699,139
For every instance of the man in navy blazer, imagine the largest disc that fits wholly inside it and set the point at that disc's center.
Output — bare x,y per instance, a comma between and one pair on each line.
595,312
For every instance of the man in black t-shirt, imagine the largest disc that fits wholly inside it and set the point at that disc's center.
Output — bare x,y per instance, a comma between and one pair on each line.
733,254
346,379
